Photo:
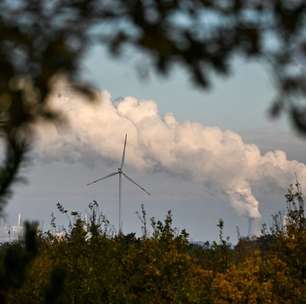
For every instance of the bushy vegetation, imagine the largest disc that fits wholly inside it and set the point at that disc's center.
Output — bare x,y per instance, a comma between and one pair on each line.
88,263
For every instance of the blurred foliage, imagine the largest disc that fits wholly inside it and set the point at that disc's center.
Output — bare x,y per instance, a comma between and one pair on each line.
15,259
89,263
40,40
43,40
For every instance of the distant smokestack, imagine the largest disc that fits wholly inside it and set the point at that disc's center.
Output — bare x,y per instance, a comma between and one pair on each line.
41,225
250,226
238,233
19,220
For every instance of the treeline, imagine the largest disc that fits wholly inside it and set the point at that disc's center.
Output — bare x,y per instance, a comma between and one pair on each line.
90,264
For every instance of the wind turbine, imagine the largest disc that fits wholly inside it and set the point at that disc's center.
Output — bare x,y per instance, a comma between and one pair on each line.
120,173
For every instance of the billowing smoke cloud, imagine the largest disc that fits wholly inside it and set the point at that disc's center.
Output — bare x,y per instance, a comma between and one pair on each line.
217,159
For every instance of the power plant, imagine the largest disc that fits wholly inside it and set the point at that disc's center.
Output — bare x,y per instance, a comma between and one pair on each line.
10,233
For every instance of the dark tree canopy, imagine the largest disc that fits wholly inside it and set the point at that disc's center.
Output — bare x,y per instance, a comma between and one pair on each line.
89,264
41,39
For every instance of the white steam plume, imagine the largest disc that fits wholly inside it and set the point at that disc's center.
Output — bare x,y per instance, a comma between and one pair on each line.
208,155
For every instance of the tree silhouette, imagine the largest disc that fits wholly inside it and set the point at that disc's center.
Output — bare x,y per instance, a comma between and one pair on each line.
161,266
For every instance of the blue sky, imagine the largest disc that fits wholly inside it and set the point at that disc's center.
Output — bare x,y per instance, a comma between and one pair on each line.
233,103
239,103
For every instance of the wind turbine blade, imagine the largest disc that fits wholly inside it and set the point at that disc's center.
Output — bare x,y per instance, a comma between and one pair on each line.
123,154
132,181
101,178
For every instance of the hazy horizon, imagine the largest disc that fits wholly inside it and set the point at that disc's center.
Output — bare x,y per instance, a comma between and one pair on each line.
231,104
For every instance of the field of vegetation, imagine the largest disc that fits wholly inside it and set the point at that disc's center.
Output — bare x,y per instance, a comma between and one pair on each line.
88,263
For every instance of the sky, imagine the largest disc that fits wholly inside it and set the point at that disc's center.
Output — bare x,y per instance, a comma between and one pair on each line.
239,103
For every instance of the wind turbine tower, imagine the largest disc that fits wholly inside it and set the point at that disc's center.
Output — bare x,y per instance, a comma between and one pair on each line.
120,173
